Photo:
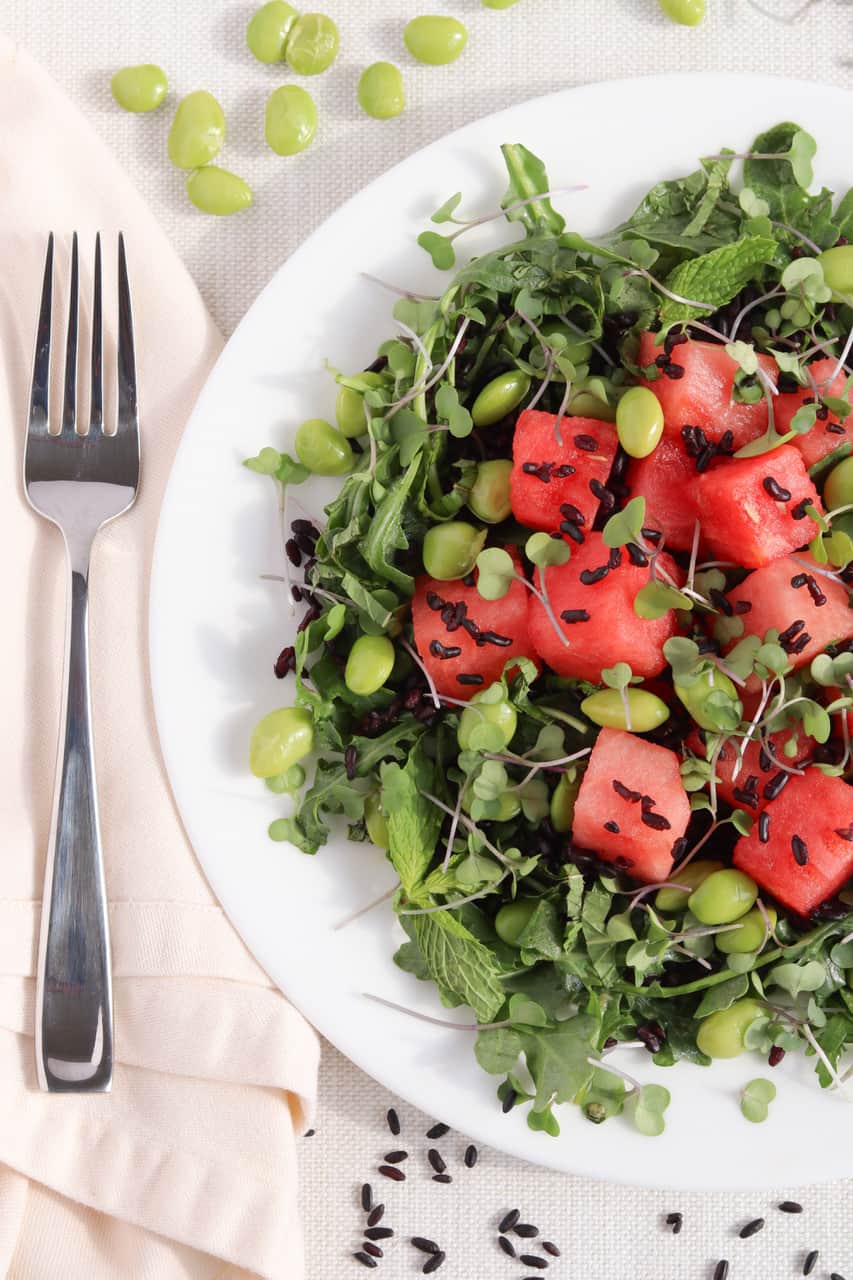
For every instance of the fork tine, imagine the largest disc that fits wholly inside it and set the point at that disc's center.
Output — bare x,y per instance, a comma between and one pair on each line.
96,401
69,398
127,410
40,391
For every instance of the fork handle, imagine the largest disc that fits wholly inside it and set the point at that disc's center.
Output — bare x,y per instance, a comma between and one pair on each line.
74,1017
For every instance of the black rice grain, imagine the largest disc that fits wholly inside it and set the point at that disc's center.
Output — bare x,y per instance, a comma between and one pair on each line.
471,1156
571,530
309,1133
395,1157
676,1221
372,1249
465,678
379,1233
350,761
392,1172
846,833
526,1230
774,787
835,1276
442,1177
365,1259
590,576
509,1220
625,792
571,512
799,512
367,1197
790,1206
751,1228
800,850
294,555
612,827
376,1215
575,615
551,1248
436,1160
285,662
774,488
507,1246
656,821
433,1263
815,592
587,444
810,1262
764,827
532,1260
721,1270
438,1131
393,1122
509,1102
425,1245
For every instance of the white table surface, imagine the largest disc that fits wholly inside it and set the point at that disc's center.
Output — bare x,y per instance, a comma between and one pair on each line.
605,1232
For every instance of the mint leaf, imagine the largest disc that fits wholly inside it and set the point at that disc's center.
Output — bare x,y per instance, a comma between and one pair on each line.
715,278
413,822
460,966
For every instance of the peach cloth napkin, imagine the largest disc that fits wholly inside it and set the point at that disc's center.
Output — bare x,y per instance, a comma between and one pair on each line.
188,1168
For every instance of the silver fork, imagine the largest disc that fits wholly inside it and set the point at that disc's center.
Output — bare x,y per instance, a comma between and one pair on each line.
79,483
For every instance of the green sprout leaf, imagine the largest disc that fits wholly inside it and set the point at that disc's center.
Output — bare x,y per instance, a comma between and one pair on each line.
652,1101
445,212
618,676
656,598
801,153
454,414
439,248
626,525
265,463
496,572
544,550
743,354
755,1099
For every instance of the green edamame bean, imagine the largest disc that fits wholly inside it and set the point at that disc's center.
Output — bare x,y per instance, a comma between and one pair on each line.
502,715
435,40
489,496
217,191
838,490
721,1034
268,29
380,91
312,44
450,550
197,132
499,397
370,662
688,12
750,935
140,88
375,821
837,266
588,404
323,449
291,120
723,896
513,918
695,696
279,740
350,406
639,422
691,877
563,801
645,710
498,4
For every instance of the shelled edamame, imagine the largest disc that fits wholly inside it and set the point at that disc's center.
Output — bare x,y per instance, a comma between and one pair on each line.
436,40
370,663
323,449
268,29
639,422
380,91
197,131
312,44
450,550
499,397
687,12
141,88
290,122
218,191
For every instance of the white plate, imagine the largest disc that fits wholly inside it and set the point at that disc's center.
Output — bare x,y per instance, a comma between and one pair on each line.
216,628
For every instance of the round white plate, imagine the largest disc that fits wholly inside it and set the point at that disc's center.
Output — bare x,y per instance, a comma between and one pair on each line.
216,626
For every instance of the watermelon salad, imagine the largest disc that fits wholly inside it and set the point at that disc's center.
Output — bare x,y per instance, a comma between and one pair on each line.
576,638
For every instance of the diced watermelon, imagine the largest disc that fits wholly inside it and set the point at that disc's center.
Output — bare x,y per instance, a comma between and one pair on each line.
746,791
774,601
603,628
665,479
639,827
701,396
547,475
813,816
826,434
743,517
435,609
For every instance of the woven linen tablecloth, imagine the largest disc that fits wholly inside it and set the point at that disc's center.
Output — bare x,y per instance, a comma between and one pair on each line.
606,1232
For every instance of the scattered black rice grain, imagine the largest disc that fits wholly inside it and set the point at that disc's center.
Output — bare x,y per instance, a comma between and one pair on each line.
294,555
425,1245
590,576
571,530
507,1246
764,827
434,600
467,678
625,792
367,1197
285,662
605,496
471,1156
679,848
305,526
442,1177
379,1233
656,821
393,1122
721,600
676,1221
575,615
533,1260
433,1263
810,1262
551,1248
509,1102
721,1270
614,559
815,592
786,636
395,1157
751,1228
309,1133
392,1172
493,637
835,1276
470,580
799,513
799,580
372,1249
526,1230
636,555
587,444
790,1206
673,370
612,826
800,643
774,488
439,650
571,512
652,1035
774,787
509,1220
376,1215
800,850
365,1259
436,1160
438,1131
743,606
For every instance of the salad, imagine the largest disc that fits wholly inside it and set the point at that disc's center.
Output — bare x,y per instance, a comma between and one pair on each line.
577,640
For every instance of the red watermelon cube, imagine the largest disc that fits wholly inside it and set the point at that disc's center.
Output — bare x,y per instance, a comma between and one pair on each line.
807,854
665,479
592,597
746,791
631,805
547,476
700,393
752,509
827,433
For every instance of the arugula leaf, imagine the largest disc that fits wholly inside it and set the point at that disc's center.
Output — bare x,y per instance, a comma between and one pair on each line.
527,178
462,968
557,1059
715,278
386,533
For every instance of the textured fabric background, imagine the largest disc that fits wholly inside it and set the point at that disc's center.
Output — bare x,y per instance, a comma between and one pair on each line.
606,1233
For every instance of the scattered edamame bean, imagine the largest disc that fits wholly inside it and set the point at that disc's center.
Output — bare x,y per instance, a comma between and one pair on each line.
140,88
279,740
721,1034
837,266
692,876
312,44
375,821
513,918
639,422
501,715
694,697
350,406
489,496
380,91
838,490
563,801
291,120
688,12
217,191
435,40
499,4
499,397
323,449
268,29
197,131
450,550
750,936
645,710
370,663
723,897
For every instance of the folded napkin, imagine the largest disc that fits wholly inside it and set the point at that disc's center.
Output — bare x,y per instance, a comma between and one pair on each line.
188,1168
